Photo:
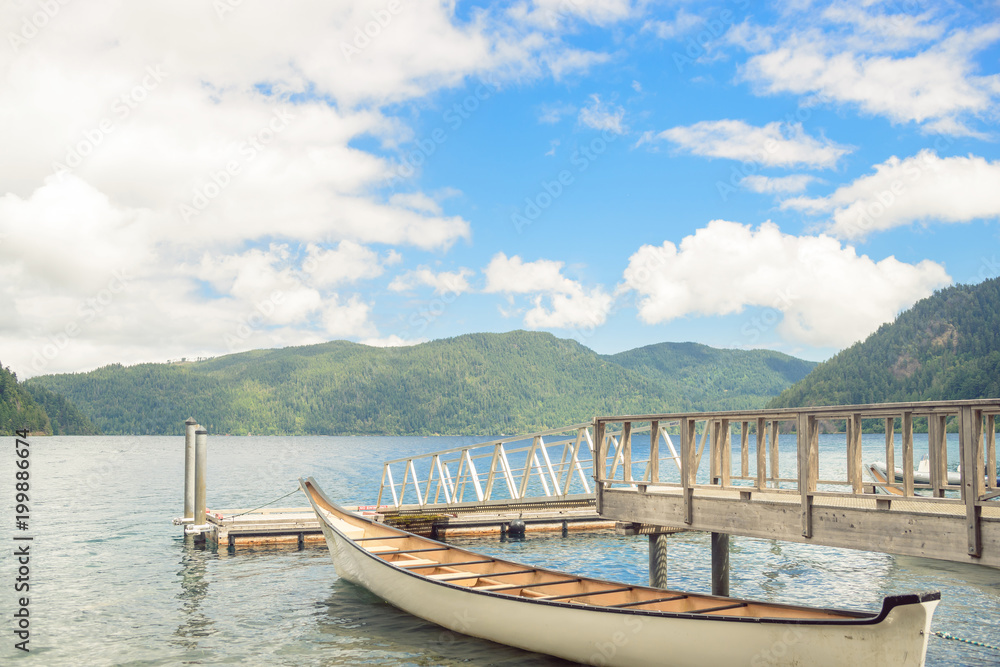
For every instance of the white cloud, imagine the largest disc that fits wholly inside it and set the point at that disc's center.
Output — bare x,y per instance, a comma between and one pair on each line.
552,113
349,319
553,14
515,276
349,262
604,116
777,185
826,294
228,147
570,305
773,145
938,83
577,309
921,188
392,341
444,282
681,24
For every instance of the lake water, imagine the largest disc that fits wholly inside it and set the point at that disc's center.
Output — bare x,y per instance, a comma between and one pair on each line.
112,581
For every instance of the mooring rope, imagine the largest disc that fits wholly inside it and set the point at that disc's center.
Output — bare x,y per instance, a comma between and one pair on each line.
948,635
264,505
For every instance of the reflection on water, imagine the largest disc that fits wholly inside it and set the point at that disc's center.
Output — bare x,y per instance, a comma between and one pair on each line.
194,588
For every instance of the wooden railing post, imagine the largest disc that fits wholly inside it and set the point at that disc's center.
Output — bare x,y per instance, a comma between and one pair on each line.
687,466
907,433
775,459
745,449
991,452
890,454
715,452
626,446
654,451
971,443
808,463
761,451
854,449
600,453
726,454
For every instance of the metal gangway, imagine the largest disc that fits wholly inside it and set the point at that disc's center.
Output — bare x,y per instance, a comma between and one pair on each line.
543,467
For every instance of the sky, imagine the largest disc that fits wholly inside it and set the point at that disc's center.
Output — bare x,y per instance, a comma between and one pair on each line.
191,179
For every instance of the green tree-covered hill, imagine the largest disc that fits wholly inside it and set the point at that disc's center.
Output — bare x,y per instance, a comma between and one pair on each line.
709,378
37,410
475,384
946,346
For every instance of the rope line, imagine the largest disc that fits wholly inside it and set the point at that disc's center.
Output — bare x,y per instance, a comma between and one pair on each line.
948,635
264,505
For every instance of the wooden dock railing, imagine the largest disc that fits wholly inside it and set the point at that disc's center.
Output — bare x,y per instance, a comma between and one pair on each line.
834,502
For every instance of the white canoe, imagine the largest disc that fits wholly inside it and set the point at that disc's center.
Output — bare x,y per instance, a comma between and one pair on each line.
605,623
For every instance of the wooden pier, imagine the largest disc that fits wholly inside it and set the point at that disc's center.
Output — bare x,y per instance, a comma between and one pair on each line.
644,483
752,497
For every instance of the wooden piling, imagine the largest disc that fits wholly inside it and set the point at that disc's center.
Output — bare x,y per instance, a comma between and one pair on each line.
720,564
658,560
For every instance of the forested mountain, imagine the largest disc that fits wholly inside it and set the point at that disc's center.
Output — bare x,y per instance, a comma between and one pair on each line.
475,384
64,417
37,410
946,346
18,409
710,378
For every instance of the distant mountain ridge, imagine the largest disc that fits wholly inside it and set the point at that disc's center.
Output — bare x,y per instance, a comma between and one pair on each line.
946,346
475,384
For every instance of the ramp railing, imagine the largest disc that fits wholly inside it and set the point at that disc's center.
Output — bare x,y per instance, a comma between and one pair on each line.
553,464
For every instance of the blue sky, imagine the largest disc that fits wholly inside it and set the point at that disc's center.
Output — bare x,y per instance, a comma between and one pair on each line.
192,180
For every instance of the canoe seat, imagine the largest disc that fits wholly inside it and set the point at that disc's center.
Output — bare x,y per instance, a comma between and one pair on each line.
381,550
414,562
445,576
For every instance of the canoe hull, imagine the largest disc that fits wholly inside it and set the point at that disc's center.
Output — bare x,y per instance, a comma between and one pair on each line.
601,636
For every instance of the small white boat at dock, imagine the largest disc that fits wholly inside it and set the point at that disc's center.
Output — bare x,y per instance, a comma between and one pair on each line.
599,622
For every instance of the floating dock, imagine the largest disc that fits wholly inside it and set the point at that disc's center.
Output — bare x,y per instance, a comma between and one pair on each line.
298,526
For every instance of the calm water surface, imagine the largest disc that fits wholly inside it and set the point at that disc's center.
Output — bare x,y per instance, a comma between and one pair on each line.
112,581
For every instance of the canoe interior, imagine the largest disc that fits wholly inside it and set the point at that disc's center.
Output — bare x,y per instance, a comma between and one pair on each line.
457,567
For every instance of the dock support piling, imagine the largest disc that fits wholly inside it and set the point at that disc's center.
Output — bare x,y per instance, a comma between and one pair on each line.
720,564
201,463
190,427
658,560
